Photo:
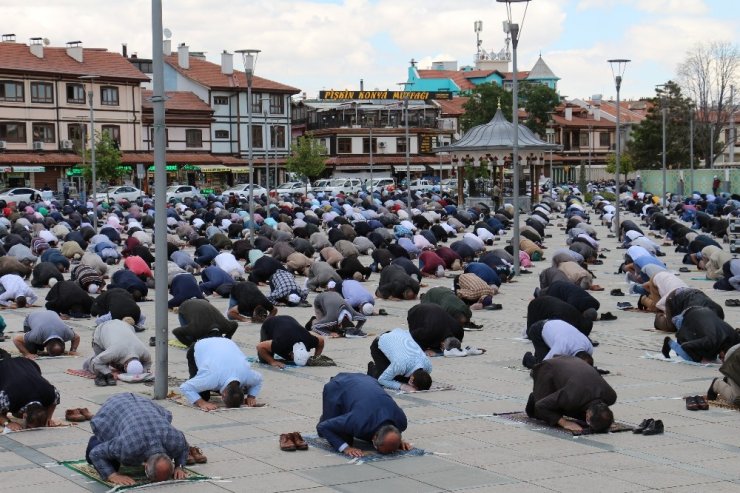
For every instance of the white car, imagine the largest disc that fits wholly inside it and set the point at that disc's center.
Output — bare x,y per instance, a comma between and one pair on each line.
321,184
181,192
385,183
19,194
242,191
450,186
119,193
422,185
293,188
344,185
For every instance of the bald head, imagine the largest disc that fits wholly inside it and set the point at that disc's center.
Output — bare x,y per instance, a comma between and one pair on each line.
387,440
159,467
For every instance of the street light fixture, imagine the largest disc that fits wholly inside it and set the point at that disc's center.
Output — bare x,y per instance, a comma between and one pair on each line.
514,31
93,164
691,144
618,66
249,56
408,143
663,111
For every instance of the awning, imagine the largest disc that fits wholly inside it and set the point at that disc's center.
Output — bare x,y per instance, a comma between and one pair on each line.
362,167
28,169
214,168
239,169
437,167
413,167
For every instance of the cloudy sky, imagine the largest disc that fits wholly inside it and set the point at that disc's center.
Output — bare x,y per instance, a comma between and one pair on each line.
332,44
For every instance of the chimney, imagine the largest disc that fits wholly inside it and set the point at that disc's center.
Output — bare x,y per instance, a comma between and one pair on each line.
227,63
74,50
569,113
167,47
124,50
8,38
597,113
37,47
362,84
183,57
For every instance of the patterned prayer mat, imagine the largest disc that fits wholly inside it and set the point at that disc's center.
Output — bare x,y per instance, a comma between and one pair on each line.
123,377
176,344
677,359
436,387
171,382
371,455
136,473
521,417
7,430
721,403
215,398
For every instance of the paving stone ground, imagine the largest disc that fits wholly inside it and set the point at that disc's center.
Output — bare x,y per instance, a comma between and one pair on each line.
469,448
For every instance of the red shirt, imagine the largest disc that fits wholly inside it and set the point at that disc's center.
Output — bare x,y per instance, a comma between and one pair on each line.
138,266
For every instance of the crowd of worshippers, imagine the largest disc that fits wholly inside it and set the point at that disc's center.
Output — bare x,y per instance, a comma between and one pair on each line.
106,275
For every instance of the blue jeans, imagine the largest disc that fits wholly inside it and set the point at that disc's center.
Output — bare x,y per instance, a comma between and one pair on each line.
679,350
94,442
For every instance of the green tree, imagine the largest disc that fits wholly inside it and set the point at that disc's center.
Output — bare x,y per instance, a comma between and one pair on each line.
482,105
308,158
107,161
539,100
626,163
647,137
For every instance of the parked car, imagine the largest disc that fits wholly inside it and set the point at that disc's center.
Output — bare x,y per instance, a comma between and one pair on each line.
421,185
19,194
450,186
242,191
292,188
119,193
383,183
181,192
343,185
321,184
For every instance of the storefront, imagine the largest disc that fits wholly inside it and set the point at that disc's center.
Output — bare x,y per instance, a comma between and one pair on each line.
21,176
216,178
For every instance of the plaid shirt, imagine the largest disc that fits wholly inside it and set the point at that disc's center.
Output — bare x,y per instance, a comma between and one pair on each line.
131,428
282,284
473,288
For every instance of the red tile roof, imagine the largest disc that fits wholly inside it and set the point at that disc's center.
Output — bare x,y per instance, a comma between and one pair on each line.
209,75
111,66
183,158
176,101
452,107
400,159
577,121
48,158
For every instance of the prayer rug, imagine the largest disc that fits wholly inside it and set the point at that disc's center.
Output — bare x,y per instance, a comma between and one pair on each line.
721,403
124,377
521,417
371,455
86,374
436,387
7,430
176,343
136,473
215,398
171,381
700,279
677,359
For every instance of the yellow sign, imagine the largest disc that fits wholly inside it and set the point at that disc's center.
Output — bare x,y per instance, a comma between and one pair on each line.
396,95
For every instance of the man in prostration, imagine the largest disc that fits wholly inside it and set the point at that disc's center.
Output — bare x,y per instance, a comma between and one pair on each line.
26,394
115,345
44,330
399,363
200,319
285,337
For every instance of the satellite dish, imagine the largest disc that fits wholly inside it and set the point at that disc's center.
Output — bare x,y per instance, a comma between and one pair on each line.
46,42
167,33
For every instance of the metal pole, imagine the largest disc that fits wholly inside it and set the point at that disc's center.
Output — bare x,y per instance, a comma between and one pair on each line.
664,198
371,160
515,146
691,147
250,157
91,100
616,160
732,124
160,208
268,145
408,144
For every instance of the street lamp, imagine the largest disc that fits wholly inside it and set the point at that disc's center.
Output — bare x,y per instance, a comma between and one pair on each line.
268,143
370,122
663,111
90,100
408,143
250,60
514,31
618,66
691,145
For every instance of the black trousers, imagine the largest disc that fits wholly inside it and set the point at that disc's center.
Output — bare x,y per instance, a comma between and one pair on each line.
534,333
380,362
193,370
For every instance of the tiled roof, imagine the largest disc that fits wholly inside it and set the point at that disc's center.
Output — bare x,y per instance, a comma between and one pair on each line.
176,101
626,115
400,159
16,57
49,158
541,71
576,121
182,158
452,107
209,75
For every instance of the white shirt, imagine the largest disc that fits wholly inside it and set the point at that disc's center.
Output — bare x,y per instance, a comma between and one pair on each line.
484,234
15,286
228,263
564,339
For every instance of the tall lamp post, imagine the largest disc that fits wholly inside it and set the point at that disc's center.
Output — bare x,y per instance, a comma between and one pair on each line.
618,66
514,31
663,111
249,57
691,145
93,164
408,143
370,122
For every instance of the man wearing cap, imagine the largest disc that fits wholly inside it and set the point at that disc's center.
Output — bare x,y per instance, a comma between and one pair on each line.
284,289
356,406
115,345
45,331
358,297
200,319
285,337
88,278
43,273
217,363
399,363
334,317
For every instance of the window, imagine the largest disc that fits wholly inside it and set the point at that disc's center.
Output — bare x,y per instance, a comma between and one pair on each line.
109,96
11,90
583,139
43,132
143,65
13,132
277,104
76,133
366,145
222,134
604,139
401,144
75,94
220,100
344,145
166,137
278,137
257,136
193,137
256,103
114,131
42,92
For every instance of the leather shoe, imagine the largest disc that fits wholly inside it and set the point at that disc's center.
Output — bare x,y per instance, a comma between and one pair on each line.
74,416
711,393
101,381
692,404
286,443
300,443
654,428
110,380
701,402
641,427
85,412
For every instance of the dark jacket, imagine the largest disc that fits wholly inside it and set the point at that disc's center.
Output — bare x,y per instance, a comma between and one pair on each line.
551,308
731,366
430,324
703,334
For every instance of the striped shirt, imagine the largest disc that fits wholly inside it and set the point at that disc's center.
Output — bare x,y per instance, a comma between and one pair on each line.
405,356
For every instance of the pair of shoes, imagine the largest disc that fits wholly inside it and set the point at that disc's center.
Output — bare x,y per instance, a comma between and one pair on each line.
597,262
641,427
697,403
684,269
290,442
711,393
304,304
101,381
195,456
525,271
608,316
732,302
74,416
139,328
474,351
494,306
624,304
650,427
382,311
601,255
355,333
616,292
110,380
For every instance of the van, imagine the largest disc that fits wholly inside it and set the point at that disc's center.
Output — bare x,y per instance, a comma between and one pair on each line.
383,183
321,184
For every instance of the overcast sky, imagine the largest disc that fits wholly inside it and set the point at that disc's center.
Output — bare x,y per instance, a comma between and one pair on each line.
332,44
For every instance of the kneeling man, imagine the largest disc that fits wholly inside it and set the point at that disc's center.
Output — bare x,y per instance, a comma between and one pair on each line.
399,363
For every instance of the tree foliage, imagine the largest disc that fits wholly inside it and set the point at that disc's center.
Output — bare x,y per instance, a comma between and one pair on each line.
539,101
107,160
308,157
483,103
626,163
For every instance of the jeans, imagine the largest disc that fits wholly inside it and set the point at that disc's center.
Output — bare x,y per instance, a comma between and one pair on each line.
94,442
679,351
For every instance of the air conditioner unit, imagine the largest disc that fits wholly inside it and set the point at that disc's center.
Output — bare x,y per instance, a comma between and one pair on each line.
3,145
381,145
67,145
38,146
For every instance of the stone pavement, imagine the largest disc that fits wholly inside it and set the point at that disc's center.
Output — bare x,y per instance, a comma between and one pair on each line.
470,448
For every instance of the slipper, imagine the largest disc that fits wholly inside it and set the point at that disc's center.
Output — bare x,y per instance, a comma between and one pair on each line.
474,351
605,317
732,302
616,292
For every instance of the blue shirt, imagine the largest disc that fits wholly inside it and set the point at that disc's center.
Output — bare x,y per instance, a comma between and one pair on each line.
483,271
405,356
355,294
220,361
